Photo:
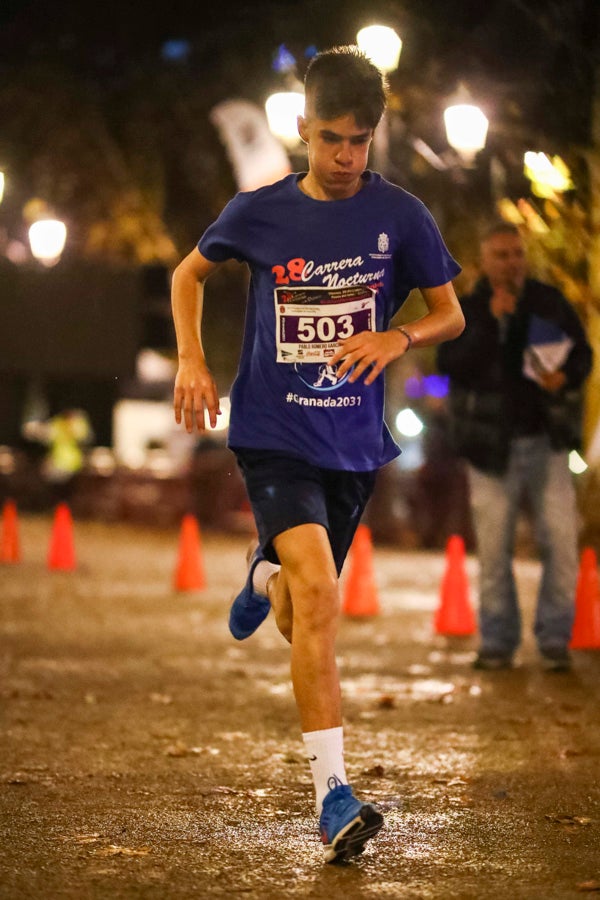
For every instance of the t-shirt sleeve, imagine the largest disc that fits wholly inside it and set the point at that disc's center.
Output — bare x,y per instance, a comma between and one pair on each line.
428,261
222,239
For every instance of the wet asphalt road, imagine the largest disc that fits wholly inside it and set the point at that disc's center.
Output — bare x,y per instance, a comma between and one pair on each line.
145,754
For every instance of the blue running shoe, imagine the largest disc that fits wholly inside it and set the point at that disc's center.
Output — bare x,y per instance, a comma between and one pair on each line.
346,824
249,609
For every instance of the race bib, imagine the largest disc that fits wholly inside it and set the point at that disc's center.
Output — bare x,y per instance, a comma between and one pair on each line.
310,321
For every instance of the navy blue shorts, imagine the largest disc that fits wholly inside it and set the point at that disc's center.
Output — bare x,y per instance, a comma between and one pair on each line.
285,492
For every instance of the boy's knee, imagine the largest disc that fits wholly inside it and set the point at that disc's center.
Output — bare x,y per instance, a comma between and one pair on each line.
316,603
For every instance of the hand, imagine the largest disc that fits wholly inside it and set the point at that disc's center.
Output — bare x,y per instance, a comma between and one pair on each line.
369,350
195,391
503,301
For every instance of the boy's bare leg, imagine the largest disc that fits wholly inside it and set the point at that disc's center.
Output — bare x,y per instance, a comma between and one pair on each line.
305,599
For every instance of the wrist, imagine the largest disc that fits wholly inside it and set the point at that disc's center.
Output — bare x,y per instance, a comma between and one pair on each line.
407,335
190,352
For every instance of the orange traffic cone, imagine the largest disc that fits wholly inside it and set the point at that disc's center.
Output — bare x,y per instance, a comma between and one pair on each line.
189,573
360,590
61,552
454,615
10,548
586,627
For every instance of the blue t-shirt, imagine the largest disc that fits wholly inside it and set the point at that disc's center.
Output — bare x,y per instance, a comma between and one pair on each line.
320,271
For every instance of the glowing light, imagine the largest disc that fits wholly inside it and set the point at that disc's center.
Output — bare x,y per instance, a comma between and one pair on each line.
47,239
466,129
176,50
509,211
283,61
414,387
437,385
548,176
408,423
382,45
1,186
282,111
417,386
577,465
531,216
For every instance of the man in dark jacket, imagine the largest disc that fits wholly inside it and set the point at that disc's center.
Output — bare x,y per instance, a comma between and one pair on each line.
516,375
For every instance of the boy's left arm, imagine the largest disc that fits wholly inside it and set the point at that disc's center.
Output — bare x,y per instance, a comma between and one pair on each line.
374,350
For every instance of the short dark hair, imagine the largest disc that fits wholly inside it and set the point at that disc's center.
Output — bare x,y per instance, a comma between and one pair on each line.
343,80
501,226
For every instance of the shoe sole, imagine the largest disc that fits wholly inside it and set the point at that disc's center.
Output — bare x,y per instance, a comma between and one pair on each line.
350,841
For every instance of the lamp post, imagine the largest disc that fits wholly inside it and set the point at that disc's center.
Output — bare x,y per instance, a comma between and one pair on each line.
474,189
47,238
466,127
383,47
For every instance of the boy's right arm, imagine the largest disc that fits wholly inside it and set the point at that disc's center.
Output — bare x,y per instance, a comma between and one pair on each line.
195,390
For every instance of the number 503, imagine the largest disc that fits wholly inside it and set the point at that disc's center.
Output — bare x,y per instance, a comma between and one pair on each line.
325,328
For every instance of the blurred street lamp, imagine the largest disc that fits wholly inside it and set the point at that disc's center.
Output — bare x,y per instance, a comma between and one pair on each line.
47,238
466,130
408,423
577,464
1,186
282,111
382,45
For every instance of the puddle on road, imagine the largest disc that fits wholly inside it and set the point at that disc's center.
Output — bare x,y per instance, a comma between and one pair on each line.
373,687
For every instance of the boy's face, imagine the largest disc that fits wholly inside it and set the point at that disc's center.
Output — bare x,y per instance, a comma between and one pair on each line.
338,151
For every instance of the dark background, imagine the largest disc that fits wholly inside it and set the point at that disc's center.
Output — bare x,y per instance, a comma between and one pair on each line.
92,103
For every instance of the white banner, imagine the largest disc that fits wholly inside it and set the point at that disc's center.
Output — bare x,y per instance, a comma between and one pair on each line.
255,153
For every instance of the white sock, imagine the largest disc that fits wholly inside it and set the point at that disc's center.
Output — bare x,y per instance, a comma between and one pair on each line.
263,571
325,751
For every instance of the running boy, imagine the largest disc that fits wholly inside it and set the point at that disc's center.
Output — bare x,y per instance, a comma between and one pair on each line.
333,254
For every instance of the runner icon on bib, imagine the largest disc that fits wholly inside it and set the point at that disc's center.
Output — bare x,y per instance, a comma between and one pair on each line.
326,373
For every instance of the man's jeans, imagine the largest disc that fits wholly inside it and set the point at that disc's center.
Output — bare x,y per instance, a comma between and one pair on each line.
544,476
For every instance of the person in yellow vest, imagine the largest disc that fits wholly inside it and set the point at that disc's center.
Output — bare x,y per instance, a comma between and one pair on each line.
66,434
